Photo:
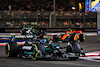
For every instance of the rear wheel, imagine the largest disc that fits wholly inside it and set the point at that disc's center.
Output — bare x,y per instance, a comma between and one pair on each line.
74,48
11,49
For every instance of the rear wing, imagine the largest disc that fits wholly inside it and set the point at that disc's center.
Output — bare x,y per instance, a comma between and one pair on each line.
74,31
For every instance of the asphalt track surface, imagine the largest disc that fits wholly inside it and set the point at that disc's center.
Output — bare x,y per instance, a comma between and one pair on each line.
92,43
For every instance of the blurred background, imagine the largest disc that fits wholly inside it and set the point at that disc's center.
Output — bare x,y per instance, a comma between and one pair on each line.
48,14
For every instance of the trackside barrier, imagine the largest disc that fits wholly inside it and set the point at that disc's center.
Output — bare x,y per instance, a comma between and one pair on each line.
18,43
10,34
21,43
86,33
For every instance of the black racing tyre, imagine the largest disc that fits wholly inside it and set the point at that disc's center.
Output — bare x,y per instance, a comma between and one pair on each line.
75,48
34,51
41,48
11,49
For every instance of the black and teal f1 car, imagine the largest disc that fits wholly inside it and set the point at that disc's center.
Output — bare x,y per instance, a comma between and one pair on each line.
27,50
35,47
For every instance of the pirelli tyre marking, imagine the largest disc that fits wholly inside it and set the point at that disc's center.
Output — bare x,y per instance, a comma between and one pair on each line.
36,50
8,53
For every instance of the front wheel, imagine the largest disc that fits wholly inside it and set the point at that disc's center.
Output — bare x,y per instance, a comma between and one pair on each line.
34,52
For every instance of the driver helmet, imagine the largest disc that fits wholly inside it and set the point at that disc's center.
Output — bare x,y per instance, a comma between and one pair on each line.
43,41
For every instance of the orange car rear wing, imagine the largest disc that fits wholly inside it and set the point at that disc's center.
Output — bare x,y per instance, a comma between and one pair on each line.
74,31
77,32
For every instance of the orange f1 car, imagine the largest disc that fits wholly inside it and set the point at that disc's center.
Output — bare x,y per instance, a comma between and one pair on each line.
74,36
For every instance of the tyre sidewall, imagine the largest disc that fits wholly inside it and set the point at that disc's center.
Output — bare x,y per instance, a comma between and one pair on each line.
12,49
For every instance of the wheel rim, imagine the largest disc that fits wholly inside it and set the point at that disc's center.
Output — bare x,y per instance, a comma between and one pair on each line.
7,50
35,52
